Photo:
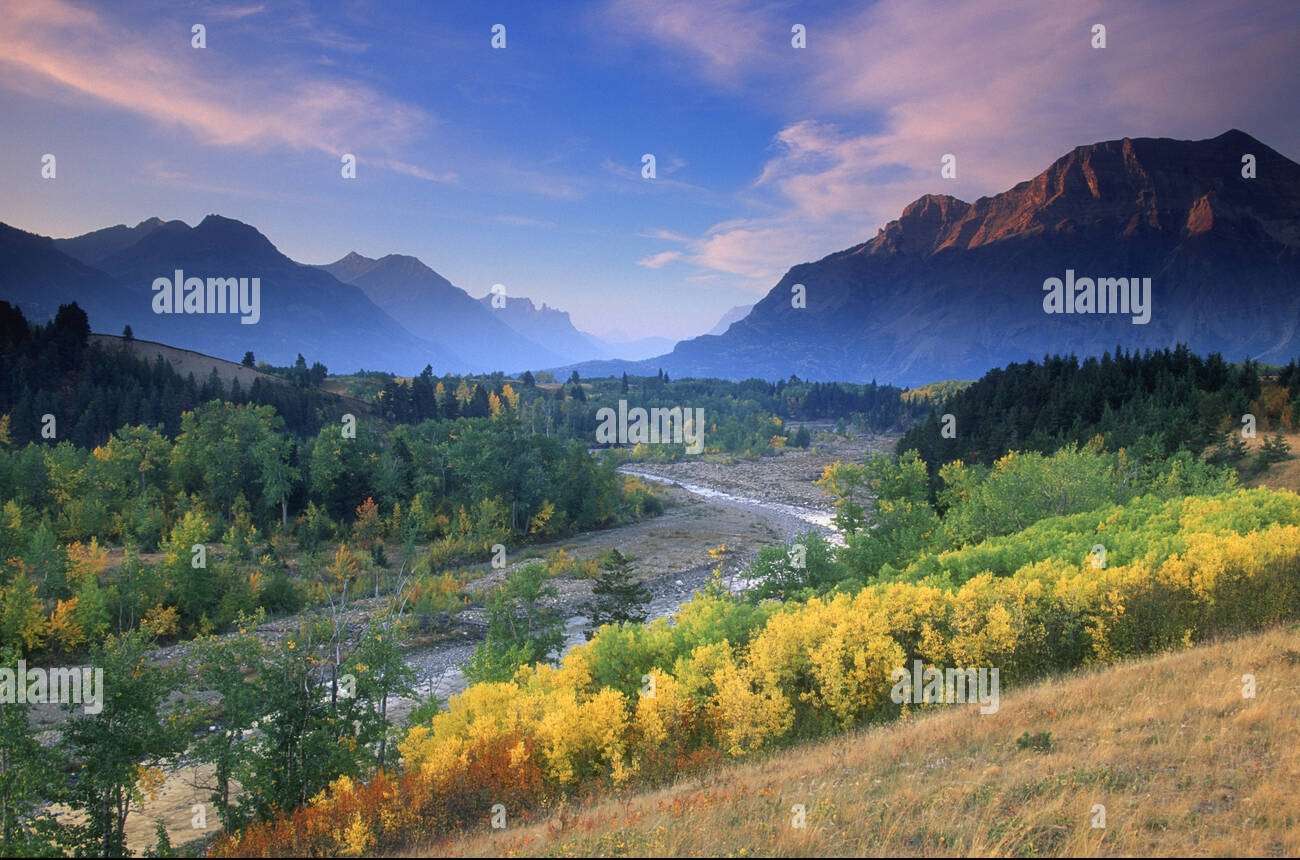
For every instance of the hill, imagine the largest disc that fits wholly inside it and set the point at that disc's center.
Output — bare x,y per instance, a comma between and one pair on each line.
950,289
187,361
1182,761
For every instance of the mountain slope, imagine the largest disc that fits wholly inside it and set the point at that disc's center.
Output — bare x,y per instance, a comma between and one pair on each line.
430,306
547,325
736,314
950,288
38,277
1210,773
303,310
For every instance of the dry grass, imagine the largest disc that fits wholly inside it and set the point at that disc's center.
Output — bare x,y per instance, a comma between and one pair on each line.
1183,763
1280,476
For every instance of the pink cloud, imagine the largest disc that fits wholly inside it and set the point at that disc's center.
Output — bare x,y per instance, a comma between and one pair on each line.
76,52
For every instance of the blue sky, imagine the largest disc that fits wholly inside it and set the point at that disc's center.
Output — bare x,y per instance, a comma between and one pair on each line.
522,166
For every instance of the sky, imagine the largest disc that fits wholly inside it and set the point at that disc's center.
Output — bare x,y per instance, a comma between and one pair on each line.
522,165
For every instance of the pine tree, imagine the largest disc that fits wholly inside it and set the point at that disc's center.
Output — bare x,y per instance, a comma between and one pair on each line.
618,596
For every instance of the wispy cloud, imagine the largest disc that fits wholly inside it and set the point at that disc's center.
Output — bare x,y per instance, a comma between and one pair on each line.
880,95
658,261
59,49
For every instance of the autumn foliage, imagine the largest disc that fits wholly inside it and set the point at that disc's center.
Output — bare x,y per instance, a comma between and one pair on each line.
728,679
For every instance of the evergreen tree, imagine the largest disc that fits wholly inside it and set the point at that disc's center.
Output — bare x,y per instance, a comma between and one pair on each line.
617,596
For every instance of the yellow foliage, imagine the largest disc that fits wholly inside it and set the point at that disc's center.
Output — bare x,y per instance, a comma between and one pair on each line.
63,628
541,520
86,561
161,621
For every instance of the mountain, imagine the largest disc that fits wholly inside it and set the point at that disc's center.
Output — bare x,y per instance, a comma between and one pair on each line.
302,309
546,325
739,312
429,306
951,289
633,348
94,246
38,277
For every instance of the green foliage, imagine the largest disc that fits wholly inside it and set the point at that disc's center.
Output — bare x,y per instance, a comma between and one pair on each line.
806,567
522,628
114,749
617,596
1173,396
29,780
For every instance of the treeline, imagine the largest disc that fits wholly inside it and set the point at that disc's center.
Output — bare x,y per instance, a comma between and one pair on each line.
234,477
92,390
1169,399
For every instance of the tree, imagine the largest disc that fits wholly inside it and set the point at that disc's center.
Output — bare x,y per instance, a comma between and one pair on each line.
618,596
522,626
227,667
381,672
279,478
528,380
29,782
122,745
22,621
304,739
127,334
249,361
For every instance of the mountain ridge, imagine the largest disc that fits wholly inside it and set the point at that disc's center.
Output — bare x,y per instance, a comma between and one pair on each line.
950,289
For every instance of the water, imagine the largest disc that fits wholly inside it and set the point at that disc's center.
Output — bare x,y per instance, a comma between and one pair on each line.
441,667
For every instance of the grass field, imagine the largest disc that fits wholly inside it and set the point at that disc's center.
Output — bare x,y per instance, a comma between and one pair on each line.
1181,759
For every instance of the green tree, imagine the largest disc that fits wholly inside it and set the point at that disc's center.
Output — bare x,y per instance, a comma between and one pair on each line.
227,667
380,672
29,781
523,626
617,596
116,747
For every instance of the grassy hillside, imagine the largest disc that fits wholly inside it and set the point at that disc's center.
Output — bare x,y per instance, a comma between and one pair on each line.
1181,760
187,361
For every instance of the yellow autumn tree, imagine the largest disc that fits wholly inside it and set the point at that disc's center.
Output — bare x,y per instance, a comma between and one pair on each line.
64,631
86,561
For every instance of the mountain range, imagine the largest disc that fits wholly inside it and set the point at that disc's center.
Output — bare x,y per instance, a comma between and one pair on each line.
947,290
392,313
950,289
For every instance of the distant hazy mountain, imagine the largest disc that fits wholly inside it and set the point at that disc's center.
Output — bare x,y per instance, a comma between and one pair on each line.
634,348
951,289
303,309
739,312
545,325
431,307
